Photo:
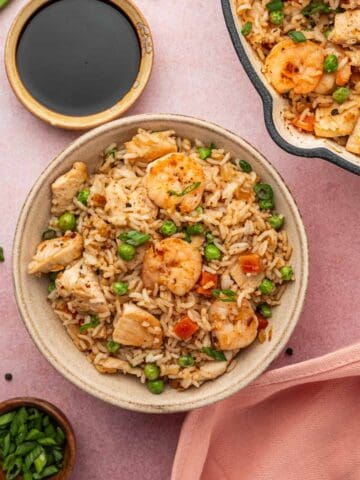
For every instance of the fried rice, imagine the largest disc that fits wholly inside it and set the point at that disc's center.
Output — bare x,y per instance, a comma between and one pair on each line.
310,54
235,213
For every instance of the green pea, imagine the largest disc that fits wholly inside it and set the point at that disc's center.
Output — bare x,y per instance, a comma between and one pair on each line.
331,64
120,288
263,191
266,286
267,204
327,33
199,210
212,252
49,234
126,252
168,228
245,166
276,221
277,17
112,347
51,286
186,361
83,196
195,229
67,221
156,386
3,3
265,310
286,272
151,371
246,29
341,94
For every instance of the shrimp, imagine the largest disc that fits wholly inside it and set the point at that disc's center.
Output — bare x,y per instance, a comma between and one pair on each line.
175,181
233,327
173,263
295,66
138,328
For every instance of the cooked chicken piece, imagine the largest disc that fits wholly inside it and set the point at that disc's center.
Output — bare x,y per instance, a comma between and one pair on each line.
148,146
138,328
295,66
330,125
246,281
79,284
97,191
353,143
354,55
173,263
53,255
233,327
67,186
113,365
115,203
175,181
346,29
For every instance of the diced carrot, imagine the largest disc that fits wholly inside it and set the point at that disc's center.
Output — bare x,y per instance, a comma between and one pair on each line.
185,328
307,123
98,200
207,282
263,322
250,263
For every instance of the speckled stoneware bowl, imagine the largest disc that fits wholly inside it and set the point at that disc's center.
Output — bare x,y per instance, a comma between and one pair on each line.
47,331
284,134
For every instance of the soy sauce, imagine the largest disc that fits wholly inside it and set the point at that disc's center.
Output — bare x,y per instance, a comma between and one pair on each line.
78,57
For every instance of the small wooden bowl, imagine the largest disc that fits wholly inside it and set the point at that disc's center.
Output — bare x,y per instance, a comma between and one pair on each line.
60,419
74,122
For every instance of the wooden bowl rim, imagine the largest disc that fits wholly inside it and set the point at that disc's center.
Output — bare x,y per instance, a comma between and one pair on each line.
69,122
60,418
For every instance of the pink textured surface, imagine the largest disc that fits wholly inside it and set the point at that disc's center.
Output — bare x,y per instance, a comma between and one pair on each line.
196,72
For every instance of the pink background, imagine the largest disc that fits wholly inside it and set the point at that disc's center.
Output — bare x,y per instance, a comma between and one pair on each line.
197,73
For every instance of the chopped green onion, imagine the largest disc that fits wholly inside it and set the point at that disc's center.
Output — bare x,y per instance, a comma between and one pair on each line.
316,7
276,17
3,3
265,310
188,189
246,29
215,354
275,5
86,326
205,152
297,37
49,234
134,238
245,166
224,295
276,221
263,191
112,347
267,204
7,418
51,286
110,151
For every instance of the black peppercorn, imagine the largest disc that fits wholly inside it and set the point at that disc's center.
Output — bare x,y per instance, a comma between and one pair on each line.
289,351
8,377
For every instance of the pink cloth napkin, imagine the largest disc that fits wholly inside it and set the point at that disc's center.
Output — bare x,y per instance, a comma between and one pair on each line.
300,422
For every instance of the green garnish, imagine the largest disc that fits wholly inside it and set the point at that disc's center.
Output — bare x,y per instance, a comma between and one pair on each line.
341,94
112,347
263,191
246,29
267,204
205,152
327,33
51,286
199,210
319,7
277,17
31,445
215,354
245,166
86,326
275,5
265,310
224,295
331,63
134,238
286,273
49,234
110,151
188,189
297,37
2,258
3,3
276,221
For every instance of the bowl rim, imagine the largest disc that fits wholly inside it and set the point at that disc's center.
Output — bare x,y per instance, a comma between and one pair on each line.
73,122
267,100
181,405
60,418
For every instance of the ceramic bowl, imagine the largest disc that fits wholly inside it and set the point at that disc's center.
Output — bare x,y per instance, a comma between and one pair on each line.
47,331
60,419
282,132
82,122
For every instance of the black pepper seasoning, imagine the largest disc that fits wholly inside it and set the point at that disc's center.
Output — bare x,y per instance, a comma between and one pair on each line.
334,112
